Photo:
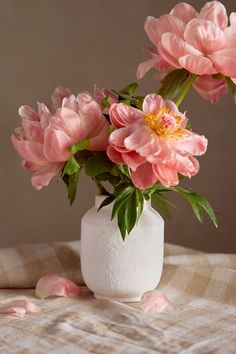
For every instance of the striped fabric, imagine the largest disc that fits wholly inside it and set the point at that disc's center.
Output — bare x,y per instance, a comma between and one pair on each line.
201,318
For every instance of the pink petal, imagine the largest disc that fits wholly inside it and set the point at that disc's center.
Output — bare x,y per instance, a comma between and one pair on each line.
210,88
100,141
18,308
33,130
54,285
234,80
151,28
197,64
43,176
30,151
144,176
89,111
224,61
68,121
144,67
232,19
171,106
138,138
166,56
153,103
56,145
176,47
167,176
205,36
28,113
154,301
186,165
191,143
184,12
114,155
133,160
58,95
122,115
215,11
170,23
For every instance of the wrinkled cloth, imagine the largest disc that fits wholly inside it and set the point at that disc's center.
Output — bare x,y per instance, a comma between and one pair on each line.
201,318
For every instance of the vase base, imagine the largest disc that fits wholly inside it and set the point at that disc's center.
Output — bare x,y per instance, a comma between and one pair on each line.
119,299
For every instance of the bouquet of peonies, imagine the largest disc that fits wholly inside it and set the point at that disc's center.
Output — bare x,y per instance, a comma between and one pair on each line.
135,148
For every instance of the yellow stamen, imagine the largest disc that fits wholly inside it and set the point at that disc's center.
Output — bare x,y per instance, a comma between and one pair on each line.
163,125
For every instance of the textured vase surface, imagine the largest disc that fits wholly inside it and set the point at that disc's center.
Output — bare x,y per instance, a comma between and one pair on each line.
121,270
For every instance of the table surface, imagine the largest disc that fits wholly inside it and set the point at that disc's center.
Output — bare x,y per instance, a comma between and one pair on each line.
200,319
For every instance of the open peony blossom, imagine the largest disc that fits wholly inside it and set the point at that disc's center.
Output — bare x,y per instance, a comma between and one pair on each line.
43,140
54,285
154,143
202,43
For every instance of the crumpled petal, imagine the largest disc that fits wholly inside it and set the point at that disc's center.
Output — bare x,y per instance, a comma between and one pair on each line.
18,308
54,285
154,301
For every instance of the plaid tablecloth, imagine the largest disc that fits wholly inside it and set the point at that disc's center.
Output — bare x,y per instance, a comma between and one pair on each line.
201,317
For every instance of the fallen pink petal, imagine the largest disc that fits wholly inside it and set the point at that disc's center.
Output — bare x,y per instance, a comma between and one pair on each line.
18,308
54,285
154,301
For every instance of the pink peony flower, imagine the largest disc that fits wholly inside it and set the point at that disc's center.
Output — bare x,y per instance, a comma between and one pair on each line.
154,142
201,43
44,138
28,140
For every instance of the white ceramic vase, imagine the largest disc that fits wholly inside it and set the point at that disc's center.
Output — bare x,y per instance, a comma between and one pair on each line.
121,270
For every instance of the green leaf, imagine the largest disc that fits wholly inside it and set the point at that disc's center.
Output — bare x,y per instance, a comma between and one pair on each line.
105,102
121,199
198,202
82,145
121,221
72,187
163,204
173,84
130,89
71,167
139,101
231,87
139,202
125,101
98,164
131,212
106,202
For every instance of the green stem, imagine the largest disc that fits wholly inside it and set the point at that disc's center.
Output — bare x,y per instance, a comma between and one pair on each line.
188,83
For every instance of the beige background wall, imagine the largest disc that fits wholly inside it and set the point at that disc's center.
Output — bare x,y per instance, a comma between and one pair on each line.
78,43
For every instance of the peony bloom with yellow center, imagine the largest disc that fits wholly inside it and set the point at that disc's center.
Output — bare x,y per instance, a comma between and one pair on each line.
154,142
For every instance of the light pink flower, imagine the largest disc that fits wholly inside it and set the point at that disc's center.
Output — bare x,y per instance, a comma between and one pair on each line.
18,308
54,285
99,94
154,142
28,140
44,137
154,301
200,42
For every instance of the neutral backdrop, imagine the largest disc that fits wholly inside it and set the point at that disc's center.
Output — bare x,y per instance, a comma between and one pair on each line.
78,43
